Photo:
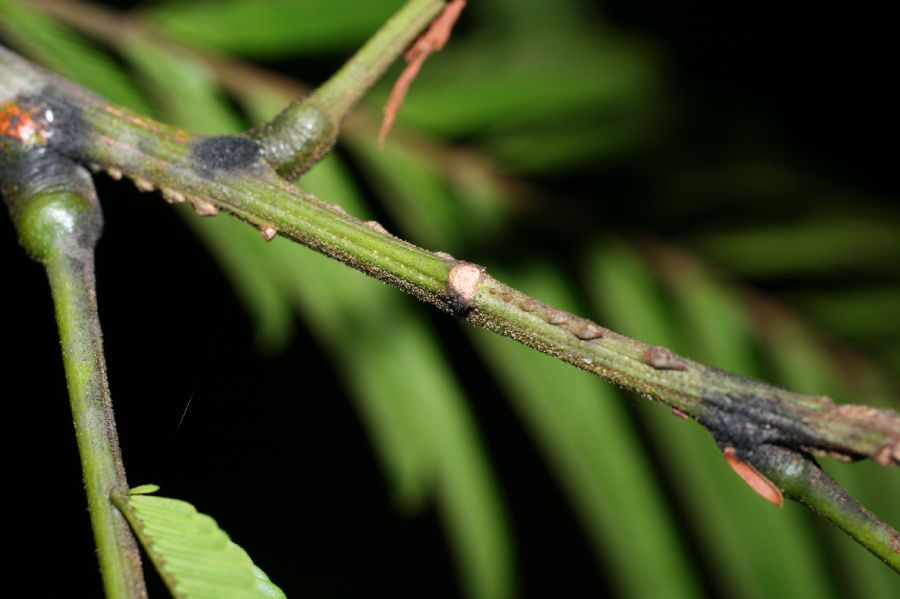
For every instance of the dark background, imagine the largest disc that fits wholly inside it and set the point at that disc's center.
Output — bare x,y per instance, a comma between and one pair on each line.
277,436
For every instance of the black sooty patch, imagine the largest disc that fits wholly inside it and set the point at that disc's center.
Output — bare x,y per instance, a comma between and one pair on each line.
459,305
741,429
223,153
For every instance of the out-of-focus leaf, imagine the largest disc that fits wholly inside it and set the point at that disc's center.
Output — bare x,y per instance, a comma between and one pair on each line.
861,314
66,52
892,356
464,488
715,323
184,88
537,150
582,428
276,27
807,247
525,17
194,557
758,182
421,199
544,80
757,551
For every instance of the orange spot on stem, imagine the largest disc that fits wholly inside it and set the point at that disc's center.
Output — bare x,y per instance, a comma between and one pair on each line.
431,41
19,124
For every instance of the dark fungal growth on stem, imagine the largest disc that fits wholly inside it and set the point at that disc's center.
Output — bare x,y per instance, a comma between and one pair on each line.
67,123
211,155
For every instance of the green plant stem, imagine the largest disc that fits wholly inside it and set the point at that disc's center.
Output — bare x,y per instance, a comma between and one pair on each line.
58,219
307,129
342,91
232,174
803,480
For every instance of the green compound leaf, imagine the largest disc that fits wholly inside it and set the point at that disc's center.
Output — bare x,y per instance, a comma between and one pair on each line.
195,558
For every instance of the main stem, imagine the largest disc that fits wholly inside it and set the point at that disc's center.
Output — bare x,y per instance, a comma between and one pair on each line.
230,173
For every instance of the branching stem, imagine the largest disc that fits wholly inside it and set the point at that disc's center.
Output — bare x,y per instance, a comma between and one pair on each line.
245,176
306,130
344,89
804,481
57,216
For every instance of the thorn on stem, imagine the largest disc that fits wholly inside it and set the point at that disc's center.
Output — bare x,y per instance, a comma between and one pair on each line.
662,358
759,483
203,208
143,185
555,316
376,226
173,197
588,331
268,232
888,454
529,305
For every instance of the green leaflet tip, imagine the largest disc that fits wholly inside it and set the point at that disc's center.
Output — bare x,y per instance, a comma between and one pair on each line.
143,490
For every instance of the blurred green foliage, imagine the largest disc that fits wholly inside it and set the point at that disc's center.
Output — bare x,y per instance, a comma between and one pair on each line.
525,101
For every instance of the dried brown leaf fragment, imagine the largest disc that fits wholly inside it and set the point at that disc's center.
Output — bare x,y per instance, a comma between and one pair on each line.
431,41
